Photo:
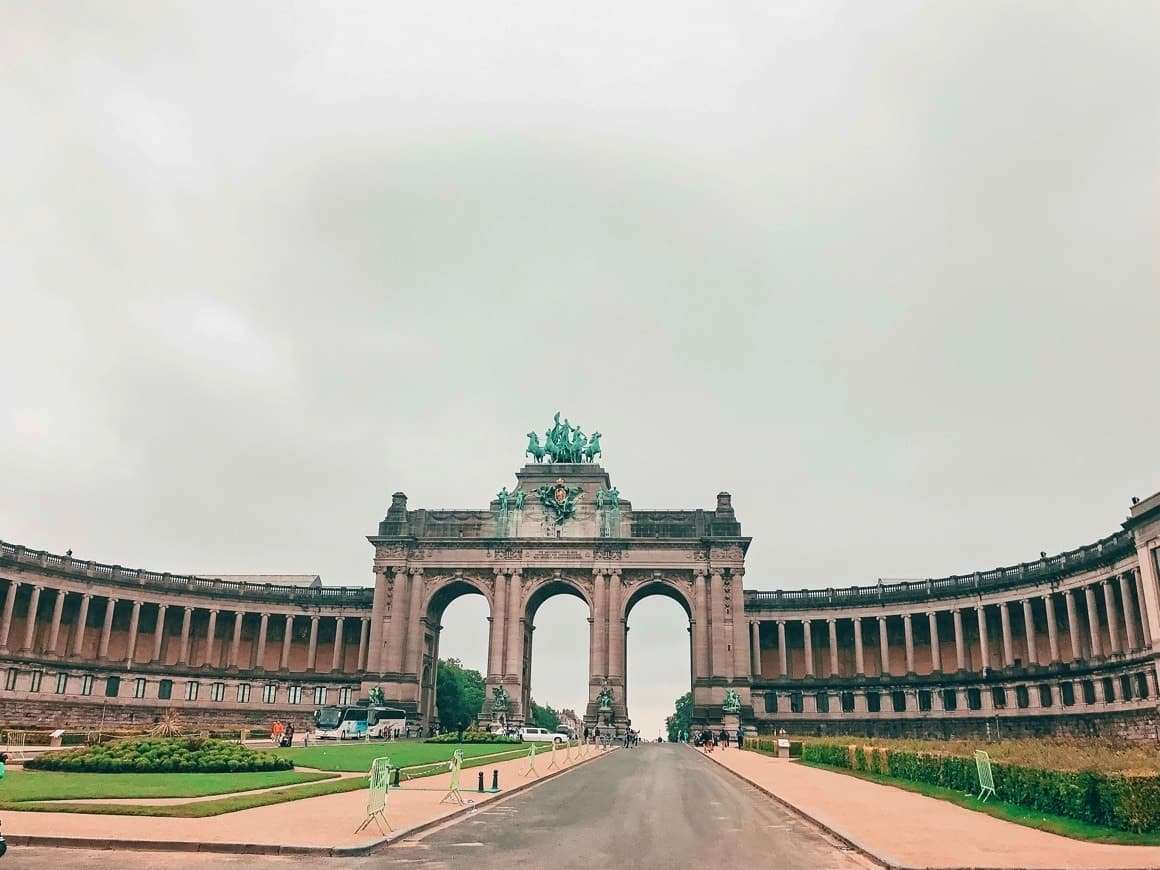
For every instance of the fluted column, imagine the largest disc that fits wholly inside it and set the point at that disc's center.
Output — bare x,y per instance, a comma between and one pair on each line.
1029,636
515,639
6,621
1113,618
859,653
106,629
1008,643
718,637
832,625
1131,619
134,621
30,624
496,622
312,649
210,637
236,640
808,643
908,634
960,641
287,637
741,664
1145,622
260,654
375,655
336,658
186,618
615,627
755,648
57,612
1089,597
883,645
935,651
701,624
363,640
82,621
984,639
1052,628
415,625
782,652
397,625
159,632
1073,624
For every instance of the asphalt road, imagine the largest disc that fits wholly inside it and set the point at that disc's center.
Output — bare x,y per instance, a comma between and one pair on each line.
655,806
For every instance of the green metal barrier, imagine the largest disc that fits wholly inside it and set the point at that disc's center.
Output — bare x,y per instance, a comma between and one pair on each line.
456,765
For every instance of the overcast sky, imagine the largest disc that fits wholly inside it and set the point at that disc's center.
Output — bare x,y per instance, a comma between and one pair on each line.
885,271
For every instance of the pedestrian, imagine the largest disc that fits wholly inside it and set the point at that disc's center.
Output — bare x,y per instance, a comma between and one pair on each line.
725,738
740,736
587,733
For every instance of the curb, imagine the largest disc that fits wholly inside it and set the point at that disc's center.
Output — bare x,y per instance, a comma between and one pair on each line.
103,844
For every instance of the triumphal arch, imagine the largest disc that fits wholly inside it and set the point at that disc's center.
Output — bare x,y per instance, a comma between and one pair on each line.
564,529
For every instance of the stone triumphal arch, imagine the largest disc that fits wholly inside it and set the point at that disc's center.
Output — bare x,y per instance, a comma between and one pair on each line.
564,529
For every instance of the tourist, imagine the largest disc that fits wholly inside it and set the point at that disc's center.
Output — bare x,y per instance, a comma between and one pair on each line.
276,733
740,736
724,738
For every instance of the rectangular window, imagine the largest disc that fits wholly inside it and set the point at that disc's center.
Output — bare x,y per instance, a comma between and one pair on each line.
1089,691
1022,697
61,683
1125,688
37,676
1067,694
999,697
319,695
822,699
1142,685
344,698
795,702
847,702
950,699
217,691
269,693
87,684
1109,690
771,702
243,693
294,695
974,698
112,687
164,690
139,687
898,699
873,702
1045,698
924,700
191,689
10,679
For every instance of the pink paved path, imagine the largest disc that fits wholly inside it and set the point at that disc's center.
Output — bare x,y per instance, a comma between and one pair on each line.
911,830
327,821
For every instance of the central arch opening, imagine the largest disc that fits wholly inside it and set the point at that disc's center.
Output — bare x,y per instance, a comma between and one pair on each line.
556,685
658,663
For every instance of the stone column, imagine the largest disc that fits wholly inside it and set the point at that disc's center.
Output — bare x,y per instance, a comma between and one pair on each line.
859,653
287,636
260,654
415,624
1141,596
1008,644
57,612
515,639
1073,624
82,620
375,656
1089,596
236,641
159,632
336,659
134,620
719,637
6,623
1113,619
782,652
832,625
397,631
1052,628
30,625
312,650
1029,633
701,624
1131,623
615,627
808,643
908,634
755,648
186,618
210,637
106,629
984,640
935,651
960,643
495,634
363,641
883,645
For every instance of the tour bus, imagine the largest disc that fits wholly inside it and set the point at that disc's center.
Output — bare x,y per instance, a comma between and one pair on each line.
352,723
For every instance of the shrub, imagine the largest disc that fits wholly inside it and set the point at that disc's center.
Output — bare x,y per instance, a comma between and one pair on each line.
160,755
473,737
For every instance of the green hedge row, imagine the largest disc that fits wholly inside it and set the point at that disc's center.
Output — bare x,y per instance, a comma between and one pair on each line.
769,745
174,755
472,737
1128,803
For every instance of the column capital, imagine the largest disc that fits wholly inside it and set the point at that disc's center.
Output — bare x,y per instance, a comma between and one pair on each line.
214,612
398,570
739,571
781,622
87,596
415,572
882,618
831,619
699,573
933,612
112,600
499,572
515,572
315,618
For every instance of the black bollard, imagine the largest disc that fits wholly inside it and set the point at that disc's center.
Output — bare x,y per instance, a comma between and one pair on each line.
495,780
395,780
481,780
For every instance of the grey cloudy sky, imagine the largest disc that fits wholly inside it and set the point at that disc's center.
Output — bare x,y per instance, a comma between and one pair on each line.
886,272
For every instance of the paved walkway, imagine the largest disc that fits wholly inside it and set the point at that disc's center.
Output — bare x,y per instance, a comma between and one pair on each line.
905,829
321,822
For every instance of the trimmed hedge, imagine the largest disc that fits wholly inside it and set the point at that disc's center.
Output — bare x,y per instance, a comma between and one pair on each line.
472,737
156,755
1128,803
768,745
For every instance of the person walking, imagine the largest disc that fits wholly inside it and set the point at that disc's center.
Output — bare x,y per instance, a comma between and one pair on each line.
725,738
740,736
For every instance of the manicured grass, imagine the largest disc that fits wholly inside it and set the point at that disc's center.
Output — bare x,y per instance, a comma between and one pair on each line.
358,756
1061,825
43,785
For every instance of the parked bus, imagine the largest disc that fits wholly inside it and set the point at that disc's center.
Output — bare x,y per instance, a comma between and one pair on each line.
355,722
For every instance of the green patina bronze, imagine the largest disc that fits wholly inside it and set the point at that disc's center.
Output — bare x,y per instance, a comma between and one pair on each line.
604,699
564,443
559,500
732,702
519,496
503,495
499,699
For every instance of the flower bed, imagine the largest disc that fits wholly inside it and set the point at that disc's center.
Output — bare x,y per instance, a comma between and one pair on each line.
156,755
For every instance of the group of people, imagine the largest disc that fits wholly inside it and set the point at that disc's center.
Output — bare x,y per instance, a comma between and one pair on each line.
282,734
708,741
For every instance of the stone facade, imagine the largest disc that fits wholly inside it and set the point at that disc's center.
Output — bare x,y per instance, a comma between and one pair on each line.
1063,644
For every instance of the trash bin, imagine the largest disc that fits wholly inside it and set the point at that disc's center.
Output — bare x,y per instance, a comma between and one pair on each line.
55,738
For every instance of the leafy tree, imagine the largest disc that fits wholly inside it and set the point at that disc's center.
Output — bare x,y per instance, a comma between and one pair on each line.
682,718
459,694
545,717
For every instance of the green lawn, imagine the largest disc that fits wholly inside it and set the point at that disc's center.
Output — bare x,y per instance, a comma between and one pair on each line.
1061,825
43,785
358,756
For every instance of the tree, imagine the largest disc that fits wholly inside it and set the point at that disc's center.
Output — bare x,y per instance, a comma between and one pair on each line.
682,719
545,717
459,694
